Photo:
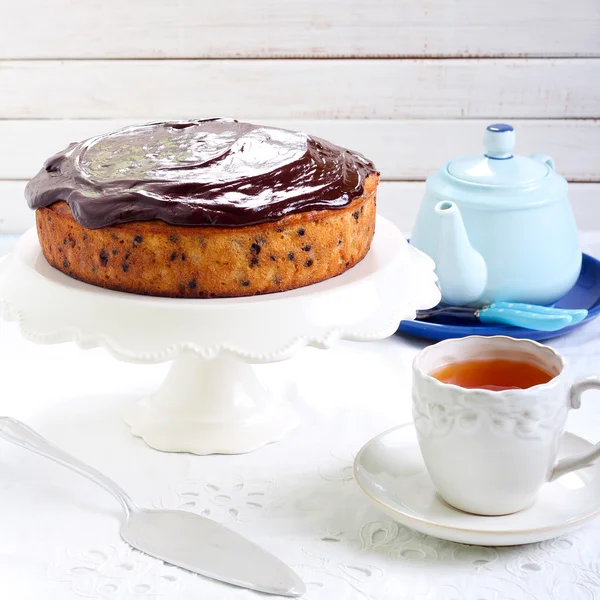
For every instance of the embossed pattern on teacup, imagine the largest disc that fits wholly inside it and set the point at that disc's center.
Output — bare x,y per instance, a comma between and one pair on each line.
438,411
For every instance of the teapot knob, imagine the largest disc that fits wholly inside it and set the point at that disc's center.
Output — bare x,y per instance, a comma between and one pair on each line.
499,141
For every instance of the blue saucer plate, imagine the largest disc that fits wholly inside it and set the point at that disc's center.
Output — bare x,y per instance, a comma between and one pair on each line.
584,294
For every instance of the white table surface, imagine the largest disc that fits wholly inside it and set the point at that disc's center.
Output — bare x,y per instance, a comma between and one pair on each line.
59,535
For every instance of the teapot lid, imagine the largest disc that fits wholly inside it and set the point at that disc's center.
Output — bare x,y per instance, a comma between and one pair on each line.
499,166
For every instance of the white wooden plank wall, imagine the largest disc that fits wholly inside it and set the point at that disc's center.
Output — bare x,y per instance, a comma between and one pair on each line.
410,84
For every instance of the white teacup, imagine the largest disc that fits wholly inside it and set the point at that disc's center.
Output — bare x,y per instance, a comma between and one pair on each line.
489,452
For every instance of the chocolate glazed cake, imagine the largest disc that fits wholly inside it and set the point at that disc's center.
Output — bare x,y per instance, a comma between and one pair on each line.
208,208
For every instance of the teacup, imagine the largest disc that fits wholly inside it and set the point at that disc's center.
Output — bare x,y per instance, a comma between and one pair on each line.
489,452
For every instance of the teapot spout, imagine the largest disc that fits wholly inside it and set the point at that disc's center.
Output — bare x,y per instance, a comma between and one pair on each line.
461,270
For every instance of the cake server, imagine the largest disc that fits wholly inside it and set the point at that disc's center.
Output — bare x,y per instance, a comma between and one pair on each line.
528,316
177,537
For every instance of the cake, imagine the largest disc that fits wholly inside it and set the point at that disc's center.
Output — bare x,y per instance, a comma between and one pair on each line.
204,209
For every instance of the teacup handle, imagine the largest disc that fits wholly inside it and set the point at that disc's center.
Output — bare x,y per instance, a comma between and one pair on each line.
572,463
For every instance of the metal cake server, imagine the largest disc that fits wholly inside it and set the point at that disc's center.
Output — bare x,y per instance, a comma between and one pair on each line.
177,537
528,316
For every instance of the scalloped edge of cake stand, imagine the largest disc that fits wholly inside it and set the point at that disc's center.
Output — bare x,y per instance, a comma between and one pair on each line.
362,304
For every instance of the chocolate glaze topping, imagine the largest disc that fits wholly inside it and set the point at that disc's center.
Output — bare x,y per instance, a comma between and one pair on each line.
216,172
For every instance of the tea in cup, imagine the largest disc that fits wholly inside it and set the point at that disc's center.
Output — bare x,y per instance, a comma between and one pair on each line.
490,413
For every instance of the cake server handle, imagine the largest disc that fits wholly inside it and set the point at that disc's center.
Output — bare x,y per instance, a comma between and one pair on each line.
20,434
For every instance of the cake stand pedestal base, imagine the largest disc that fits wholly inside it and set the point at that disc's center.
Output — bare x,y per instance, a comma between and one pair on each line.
210,407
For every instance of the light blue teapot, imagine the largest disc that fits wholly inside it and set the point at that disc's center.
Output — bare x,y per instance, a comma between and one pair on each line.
499,227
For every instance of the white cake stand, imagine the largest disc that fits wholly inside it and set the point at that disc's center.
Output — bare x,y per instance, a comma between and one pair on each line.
211,401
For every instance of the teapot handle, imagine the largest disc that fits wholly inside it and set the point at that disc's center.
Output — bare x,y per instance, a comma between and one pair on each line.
544,159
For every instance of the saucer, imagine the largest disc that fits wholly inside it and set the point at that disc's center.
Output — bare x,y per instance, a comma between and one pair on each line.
584,294
390,471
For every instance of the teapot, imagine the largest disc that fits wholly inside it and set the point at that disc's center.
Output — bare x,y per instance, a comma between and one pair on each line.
499,227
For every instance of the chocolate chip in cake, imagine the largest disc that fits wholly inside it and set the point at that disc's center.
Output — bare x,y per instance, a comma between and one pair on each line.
174,238
339,242
301,232
355,214
173,255
84,237
272,258
66,263
308,263
192,284
127,255
255,249
279,229
245,283
72,241
182,256
125,267
115,252
138,239
306,248
103,258
65,241
253,261
348,264
291,256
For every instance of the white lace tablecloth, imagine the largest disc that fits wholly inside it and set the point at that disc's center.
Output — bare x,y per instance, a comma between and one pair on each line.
59,534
